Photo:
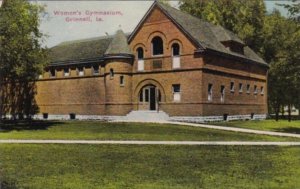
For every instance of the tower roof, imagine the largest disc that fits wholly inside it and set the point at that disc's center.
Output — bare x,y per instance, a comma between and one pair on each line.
118,45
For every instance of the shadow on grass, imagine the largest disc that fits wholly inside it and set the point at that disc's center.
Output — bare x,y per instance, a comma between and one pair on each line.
8,184
295,130
10,125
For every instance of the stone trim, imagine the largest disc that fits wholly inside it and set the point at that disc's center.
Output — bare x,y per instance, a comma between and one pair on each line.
203,119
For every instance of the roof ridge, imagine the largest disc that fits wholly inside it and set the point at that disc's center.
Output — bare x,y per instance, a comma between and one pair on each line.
88,39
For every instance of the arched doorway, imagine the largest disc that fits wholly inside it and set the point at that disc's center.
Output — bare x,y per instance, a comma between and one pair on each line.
149,98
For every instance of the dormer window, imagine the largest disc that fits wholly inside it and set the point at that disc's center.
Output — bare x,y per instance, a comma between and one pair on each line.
234,46
157,46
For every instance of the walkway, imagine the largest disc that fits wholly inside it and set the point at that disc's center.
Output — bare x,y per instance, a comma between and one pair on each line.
136,142
224,128
237,129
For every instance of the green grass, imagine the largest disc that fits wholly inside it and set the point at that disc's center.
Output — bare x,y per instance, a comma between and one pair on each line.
267,125
125,131
157,167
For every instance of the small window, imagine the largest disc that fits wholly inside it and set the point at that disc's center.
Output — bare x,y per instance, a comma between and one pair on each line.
231,86
176,88
176,92
248,89
255,89
209,97
222,93
262,90
241,88
80,71
140,53
96,70
122,80
52,73
45,115
111,73
175,49
66,72
157,46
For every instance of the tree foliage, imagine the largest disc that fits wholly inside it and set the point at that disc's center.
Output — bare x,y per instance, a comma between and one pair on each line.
22,57
274,37
243,17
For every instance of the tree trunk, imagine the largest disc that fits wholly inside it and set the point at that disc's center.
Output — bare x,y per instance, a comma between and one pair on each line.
289,113
282,112
277,113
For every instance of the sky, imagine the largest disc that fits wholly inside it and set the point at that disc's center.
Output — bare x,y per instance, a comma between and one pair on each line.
72,20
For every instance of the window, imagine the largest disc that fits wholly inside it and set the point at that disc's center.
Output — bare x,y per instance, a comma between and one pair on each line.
111,73
262,90
157,46
176,92
52,73
80,71
122,80
96,70
176,55
248,89
140,55
232,87
209,97
241,88
175,49
66,72
255,89
222,93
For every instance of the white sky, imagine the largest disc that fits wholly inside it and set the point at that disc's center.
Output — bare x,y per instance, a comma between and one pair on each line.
59,30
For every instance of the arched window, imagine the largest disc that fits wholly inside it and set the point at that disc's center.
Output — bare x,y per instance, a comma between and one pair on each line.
140,53
175,49
111,73
157,46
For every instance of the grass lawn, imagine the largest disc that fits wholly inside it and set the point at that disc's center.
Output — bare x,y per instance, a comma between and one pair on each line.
268,125
157,167
125,131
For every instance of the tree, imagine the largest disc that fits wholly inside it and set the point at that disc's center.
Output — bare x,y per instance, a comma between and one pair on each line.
22,57
294,10
243,17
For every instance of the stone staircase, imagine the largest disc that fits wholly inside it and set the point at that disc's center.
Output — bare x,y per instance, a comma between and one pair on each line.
147,116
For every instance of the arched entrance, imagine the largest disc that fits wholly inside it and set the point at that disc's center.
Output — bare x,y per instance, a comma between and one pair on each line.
149,98
148,94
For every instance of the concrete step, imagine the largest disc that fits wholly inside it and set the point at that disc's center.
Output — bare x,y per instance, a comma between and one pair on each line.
147,116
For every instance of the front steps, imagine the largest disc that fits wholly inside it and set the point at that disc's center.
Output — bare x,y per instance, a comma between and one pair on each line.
147,116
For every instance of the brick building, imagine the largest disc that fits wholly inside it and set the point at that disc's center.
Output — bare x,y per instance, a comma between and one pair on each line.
172,62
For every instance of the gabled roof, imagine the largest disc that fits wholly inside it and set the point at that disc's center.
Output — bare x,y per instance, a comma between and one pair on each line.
205,35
